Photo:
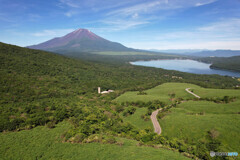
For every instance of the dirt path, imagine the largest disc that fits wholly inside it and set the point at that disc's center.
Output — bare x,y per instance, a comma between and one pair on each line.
155,123
187,89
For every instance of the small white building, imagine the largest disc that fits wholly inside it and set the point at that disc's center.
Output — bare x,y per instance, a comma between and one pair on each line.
104,92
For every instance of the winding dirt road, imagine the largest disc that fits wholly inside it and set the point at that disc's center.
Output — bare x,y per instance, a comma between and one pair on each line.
155,123
187,89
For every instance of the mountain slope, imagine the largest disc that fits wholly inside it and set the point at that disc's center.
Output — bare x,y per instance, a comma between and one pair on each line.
80,40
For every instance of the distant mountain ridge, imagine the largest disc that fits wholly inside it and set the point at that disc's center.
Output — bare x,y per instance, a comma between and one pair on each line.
178,51
80,40
218,53
201,53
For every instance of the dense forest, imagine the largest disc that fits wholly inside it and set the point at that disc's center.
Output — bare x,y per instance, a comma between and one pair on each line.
42,88
226,63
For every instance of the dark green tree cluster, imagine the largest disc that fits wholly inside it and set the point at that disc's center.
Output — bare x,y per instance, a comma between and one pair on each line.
226,63
225,99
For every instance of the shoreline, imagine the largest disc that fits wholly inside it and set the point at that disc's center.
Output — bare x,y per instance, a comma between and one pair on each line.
210,67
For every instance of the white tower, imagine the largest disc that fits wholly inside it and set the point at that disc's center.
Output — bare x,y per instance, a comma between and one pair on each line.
99,90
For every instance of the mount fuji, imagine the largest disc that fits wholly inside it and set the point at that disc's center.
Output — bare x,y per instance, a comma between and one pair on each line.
80,40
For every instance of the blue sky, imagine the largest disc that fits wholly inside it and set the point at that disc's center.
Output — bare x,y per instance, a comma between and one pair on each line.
143,24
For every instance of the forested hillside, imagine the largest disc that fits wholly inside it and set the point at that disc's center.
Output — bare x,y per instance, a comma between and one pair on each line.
227,63
41,88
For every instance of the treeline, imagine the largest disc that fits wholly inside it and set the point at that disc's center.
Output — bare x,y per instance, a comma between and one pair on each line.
225,99
226,63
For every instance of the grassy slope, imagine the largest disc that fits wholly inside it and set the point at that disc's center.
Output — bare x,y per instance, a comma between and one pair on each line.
44,143
182,125
194,127
136,119
159,93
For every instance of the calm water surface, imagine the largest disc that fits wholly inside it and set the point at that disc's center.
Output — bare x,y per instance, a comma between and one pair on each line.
189,66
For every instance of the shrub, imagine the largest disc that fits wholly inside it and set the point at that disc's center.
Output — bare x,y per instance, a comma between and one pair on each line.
111,140
141,93
147,137
213,134
79,138
120,143
129,111
51,124
119,109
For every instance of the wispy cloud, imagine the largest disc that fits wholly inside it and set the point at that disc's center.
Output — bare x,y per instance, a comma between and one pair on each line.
227,29
146,11
156,5
145,7
5,18
223,34
122,15
122,24
204,2
70,13
34,17
70,3
52,33
229,25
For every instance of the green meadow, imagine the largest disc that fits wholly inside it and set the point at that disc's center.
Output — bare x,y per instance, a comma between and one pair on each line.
160,92
44,143
136,120
193,119
187,124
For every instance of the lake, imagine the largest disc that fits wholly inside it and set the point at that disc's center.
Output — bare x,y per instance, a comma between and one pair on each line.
187,65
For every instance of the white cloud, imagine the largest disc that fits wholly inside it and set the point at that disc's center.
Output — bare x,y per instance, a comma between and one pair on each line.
145,7
229,25
118,25
135,15
204,2
149,11
70,3
70,13
52,33
224,34
157,5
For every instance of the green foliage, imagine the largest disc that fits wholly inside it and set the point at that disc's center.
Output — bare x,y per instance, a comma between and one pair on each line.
227,63
129,111
141,93
137,121
44,143
225,99
41,88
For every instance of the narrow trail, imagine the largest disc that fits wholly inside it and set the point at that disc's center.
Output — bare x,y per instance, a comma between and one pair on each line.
155,123
187,89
